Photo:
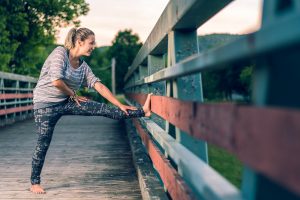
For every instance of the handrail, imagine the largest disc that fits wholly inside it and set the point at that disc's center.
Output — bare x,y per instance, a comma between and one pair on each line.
177,15
224,125
262,135
15,97
17,77
244,48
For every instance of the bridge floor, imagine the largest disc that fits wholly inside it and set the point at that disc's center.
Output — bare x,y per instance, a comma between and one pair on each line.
89,158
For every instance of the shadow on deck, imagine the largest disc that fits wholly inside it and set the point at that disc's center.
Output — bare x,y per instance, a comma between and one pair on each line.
89,158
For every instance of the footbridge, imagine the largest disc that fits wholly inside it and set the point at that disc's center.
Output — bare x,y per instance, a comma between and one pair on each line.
167,155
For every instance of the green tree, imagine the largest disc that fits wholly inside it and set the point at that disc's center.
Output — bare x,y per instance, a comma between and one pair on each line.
101,67
13,25
246,80
221,84
100,64
28,27
124,49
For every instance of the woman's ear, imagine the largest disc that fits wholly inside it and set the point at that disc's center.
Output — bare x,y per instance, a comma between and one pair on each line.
79,42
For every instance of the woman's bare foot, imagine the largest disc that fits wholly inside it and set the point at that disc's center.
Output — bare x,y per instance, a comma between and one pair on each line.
146,106
37,189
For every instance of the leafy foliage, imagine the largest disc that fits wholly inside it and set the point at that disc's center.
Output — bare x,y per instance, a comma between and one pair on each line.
212,41
101,67
124,48
245,79
222,84
28,28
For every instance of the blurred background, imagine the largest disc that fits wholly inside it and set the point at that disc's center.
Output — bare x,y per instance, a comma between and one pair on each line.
31,29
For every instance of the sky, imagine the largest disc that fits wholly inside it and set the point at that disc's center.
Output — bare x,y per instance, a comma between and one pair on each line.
106,18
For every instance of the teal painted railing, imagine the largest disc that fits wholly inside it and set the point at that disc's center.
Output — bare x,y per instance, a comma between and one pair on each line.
15,97
265,135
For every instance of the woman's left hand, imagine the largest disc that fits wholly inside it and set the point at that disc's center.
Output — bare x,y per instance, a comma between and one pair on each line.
79,99
125,108
82,99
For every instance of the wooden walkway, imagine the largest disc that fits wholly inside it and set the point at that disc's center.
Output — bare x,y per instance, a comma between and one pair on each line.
89,158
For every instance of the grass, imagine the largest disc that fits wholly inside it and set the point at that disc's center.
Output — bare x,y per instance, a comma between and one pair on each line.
226,164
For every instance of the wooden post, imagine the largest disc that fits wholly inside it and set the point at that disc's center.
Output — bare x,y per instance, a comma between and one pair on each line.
182,44
143,72
276,83
113,75
2,123
156,63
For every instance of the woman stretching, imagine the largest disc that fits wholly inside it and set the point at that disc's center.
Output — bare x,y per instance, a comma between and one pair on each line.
54,95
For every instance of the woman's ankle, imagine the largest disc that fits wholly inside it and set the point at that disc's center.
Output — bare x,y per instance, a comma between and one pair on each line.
147,105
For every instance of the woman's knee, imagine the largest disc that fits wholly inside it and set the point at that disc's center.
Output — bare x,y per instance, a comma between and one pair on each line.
86,108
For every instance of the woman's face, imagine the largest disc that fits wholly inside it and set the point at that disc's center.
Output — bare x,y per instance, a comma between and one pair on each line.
87,46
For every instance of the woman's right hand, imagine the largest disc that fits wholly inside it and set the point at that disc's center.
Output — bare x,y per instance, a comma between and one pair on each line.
125,108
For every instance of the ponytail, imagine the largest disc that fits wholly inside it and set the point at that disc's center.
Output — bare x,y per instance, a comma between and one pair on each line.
77,34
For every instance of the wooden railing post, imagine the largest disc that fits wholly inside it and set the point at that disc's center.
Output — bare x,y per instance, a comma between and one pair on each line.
143,72
5,105
28,87
16,97
16,85
182,44
2,101
156,63
276,84
136,79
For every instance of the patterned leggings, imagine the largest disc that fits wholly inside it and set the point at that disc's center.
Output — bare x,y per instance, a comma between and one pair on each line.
46,119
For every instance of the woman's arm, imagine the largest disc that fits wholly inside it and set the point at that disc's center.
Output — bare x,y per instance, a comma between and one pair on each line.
106,93
60,84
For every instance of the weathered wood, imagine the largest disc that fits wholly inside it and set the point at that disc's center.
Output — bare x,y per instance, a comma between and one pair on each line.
17,77
204,180
253,134
17,89
156,63
245,48
89,158
16,96
15,110
16,102
275,78
150,183
176,187
181,45
177,15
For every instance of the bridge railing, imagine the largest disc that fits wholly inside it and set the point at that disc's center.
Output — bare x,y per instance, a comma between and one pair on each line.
15,97
265,135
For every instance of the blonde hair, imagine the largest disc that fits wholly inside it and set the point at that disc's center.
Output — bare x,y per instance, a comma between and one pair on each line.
77,34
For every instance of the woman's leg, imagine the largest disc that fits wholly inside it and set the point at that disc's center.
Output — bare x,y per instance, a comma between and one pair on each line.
45,119
92,108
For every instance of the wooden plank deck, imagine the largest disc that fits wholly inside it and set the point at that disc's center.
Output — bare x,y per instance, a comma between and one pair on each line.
89,158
